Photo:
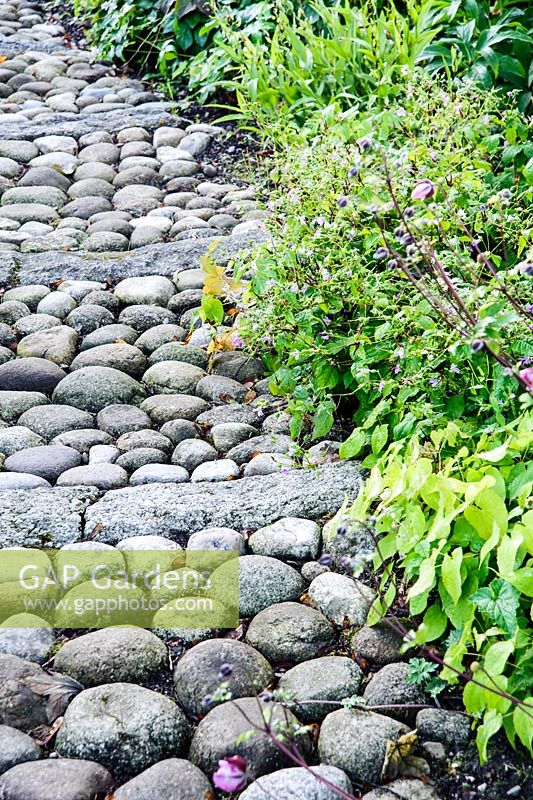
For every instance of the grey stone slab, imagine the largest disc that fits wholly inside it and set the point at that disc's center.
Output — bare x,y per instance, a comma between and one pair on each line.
43,517
15,44
171,510
160,259
76,125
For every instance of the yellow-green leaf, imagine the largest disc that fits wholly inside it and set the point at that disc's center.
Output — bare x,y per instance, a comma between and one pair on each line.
451,573
496,657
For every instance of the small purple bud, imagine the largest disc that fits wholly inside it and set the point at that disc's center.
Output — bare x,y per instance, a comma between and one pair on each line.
225,671
381,253
341,530
207,701
364,144
478,345
392,264
266,697
411,250
342,202
409,212
399,232
326,560
407,239
353,172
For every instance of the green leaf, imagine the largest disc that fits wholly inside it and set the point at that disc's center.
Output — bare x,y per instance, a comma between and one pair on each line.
379,438
528,169
506,553
522,579
213,309
435,623
474,698
451,573
322,421
499,602
426,576
353,444
496,657
523,722
492,723
494,455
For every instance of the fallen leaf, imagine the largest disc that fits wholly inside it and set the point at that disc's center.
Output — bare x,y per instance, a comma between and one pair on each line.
96,530
51,732
59,689
397,755
304,598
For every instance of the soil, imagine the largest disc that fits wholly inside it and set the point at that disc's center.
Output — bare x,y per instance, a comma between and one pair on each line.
507,774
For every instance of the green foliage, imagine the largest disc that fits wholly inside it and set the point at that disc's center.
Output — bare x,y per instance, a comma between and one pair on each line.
422,673
452,520
492,45
348,332
356,52
286,61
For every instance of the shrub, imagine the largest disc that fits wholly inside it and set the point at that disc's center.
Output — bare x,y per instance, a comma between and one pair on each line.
348,331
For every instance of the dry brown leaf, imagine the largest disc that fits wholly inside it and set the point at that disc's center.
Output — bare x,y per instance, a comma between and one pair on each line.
96,530
51,732
59,689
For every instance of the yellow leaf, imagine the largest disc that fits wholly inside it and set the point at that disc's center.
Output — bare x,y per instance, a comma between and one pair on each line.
396,754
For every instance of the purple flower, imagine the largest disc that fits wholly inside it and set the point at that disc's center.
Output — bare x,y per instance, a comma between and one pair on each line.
434,381
409,212
231,774
455,368
406,239
236,340
423,190
527,377
364,144
381,253
529,308
526,268
478,345
325,560
353,171
225,671
392,264
342,202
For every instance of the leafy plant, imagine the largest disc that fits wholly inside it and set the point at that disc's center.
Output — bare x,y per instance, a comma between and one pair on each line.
348,330
452,521
355,53
489,44
422,672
